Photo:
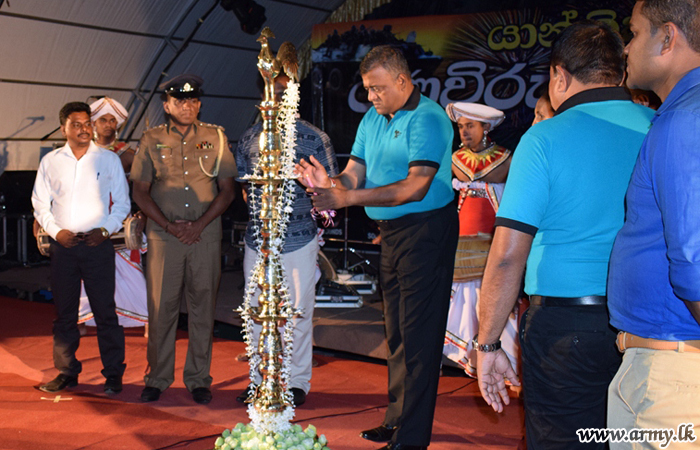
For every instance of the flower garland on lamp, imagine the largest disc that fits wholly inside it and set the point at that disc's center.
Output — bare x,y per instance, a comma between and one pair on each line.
271,407
287,126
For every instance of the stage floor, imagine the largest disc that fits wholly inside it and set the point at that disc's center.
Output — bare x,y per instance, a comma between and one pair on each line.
346,397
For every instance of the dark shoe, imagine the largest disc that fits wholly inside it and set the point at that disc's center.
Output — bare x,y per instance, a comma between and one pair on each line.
201,395
59,383
399,446
380,434
299,396
243,396
113,385
150,394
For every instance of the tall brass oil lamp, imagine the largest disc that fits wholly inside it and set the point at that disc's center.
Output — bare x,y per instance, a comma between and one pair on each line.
270,396
271,409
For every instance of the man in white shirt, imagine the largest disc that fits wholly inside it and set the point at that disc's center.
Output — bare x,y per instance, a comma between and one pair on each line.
71,199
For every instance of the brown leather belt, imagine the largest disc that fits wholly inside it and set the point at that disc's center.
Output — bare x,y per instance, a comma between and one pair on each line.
626,340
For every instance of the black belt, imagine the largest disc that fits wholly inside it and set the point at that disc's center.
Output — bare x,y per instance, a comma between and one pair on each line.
539,300
410,219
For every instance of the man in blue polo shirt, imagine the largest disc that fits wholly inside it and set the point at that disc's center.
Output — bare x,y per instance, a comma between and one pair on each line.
562,207
654,287
400,171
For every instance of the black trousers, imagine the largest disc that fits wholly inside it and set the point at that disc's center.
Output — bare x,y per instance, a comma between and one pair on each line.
569,359
95,266
417,264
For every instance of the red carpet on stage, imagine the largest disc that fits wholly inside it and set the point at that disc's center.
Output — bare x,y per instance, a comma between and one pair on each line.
346,397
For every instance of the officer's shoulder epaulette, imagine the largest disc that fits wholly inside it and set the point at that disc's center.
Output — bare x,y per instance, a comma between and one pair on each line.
211,125
162,126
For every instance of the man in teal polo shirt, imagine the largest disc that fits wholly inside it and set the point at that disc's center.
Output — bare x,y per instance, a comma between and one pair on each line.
562,207
400,171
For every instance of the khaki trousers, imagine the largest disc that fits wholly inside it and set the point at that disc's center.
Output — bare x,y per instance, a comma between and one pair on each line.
300,266
655,389
173,270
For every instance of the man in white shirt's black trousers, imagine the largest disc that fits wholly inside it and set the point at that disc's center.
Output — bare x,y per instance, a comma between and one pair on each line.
74,187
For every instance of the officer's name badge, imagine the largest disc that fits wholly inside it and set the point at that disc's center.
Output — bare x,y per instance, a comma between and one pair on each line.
204,145
162,146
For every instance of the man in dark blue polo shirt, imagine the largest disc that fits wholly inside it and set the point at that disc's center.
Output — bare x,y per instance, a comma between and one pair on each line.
561,209
400,171
654,288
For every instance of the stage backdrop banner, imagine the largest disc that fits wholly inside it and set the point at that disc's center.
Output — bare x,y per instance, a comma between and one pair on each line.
500,59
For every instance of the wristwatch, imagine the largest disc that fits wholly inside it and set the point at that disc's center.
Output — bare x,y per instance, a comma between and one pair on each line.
486,348
105,233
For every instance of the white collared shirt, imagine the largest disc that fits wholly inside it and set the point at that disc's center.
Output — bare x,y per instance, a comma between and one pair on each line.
74,194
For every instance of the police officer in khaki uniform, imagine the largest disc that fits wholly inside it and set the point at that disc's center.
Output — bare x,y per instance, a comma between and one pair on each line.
183,175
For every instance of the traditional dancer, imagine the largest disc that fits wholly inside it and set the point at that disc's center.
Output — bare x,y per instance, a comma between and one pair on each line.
480,167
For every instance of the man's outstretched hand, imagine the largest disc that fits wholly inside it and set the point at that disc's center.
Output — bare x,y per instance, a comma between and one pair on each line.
312,174
493,368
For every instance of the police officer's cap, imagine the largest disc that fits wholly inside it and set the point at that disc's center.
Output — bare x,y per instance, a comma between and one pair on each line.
183,86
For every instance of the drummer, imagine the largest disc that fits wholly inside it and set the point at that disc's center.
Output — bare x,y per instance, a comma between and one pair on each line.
480,167
108,116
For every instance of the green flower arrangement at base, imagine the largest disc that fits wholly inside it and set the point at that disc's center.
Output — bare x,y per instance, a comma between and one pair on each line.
244,437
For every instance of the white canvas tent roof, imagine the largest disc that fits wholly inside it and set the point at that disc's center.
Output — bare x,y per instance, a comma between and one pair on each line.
56,51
